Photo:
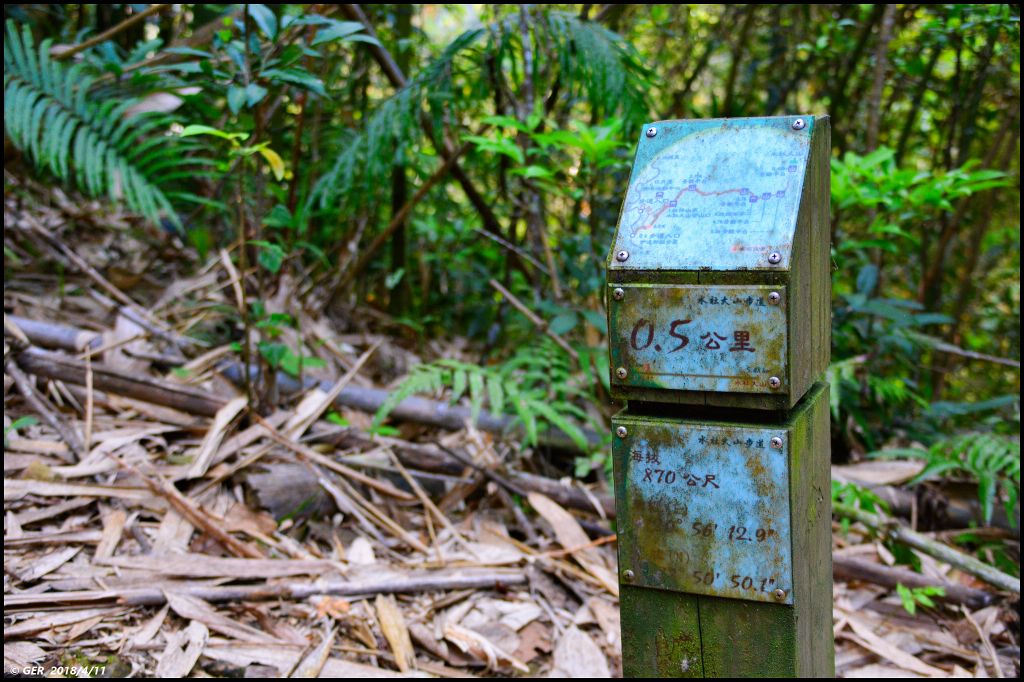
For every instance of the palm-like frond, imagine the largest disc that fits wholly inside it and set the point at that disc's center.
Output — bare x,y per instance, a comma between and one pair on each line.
364,166
990,459
535,385
50,116
598,65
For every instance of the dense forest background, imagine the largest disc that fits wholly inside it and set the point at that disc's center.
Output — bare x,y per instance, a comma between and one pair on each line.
448,177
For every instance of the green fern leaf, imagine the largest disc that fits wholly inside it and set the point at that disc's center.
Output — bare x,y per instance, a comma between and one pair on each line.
558,419
48,115
476,394
495,394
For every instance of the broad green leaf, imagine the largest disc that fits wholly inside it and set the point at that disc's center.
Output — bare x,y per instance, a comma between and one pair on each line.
338,30
198,129
265,19
236,98
298,77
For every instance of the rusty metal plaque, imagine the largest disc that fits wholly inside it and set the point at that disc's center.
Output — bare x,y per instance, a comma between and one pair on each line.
720,194
698,337
707,506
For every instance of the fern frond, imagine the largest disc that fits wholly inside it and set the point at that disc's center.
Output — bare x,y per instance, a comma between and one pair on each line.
49,115
424,378
599,65
533,385
365,164
992,460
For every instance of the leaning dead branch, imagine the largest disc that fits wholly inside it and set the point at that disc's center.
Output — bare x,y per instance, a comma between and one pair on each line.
897,531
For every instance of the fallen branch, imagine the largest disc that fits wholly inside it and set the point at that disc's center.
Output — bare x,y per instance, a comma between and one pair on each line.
523,484
535,319
900,533
193,513
425,411
49,335
38,403
466,579
198,402
105,378
852,568
110,32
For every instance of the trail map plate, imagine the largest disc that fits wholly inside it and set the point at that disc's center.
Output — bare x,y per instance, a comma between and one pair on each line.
698,338
717,194
707,507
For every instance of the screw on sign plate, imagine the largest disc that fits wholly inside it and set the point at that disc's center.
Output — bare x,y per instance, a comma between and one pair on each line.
774,298
628,574
622,256
618,294
621,432
774,257
621,372
652,131
799,124
777,443
780,594
774,382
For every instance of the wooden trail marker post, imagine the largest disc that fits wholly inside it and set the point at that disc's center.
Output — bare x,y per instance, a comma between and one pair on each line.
719,332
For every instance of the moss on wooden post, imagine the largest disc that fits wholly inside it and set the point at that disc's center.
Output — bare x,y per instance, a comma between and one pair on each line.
719,325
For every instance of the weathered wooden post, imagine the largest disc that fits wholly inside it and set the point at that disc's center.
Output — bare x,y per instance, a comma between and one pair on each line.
719,327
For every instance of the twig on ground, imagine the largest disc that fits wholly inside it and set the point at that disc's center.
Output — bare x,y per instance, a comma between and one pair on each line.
897,531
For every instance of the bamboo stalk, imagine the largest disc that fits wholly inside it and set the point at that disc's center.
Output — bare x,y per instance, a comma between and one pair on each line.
465,579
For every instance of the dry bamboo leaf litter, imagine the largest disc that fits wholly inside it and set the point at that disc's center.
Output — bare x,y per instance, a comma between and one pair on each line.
387,555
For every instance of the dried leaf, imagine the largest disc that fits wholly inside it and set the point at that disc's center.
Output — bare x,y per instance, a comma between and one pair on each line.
113,526
577,655
313,663
572,537
872,642
215,436
196,609
392,624
182,651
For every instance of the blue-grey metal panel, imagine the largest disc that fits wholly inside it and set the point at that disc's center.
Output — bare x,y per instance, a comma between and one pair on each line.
723,338
720,194
707,507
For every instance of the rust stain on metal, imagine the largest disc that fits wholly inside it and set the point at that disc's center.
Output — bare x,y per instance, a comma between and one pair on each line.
723,338
708,506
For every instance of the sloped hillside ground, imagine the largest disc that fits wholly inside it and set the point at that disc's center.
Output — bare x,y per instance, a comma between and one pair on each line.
155,524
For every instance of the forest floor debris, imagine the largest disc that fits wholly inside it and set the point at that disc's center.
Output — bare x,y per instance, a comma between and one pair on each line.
172,530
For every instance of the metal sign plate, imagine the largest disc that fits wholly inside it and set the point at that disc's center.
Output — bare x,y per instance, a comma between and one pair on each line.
708,508
718,194
697,337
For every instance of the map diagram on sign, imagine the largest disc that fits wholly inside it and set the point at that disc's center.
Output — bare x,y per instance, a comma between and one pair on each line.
722,197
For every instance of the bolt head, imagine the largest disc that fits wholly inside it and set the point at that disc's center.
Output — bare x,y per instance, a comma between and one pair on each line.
799,124
628,574
652,131
622,256
774,382
774,257
621,432
777,443
621,372
774,298
780,594
618,293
